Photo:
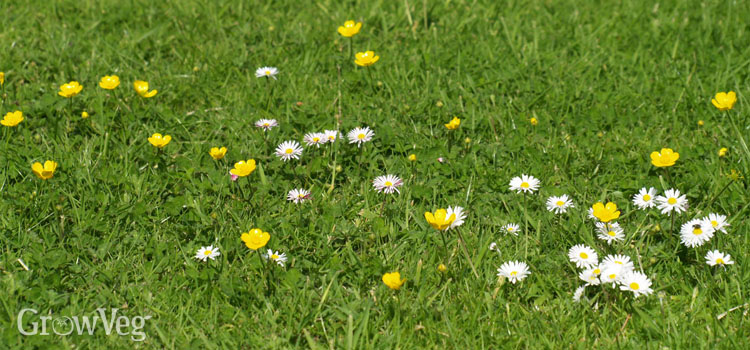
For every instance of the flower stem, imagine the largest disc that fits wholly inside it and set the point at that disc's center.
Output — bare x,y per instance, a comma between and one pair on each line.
262,267
462,243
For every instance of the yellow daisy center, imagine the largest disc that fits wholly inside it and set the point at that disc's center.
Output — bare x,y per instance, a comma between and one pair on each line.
510,229
331,137
316,139
289,151
560,203
671,201
361,136
612,233
634,286
597,271
388,183
274,256
697,231
720,261
208,252
524,184
612,276
301,195
514,273
268,72
714,223
646,198
266,124
584,255
618,262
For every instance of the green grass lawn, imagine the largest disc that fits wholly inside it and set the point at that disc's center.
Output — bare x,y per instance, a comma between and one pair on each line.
119,223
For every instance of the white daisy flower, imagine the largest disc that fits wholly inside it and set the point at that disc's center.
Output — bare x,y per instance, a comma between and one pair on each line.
525,183
267,72
331,135
559,204
636,282
583,256
288,150
590,276
275,257
388,184
360,135
266,124
460,216
672,201
314,139
645,198
514,271
610,232
207,253
298,195
493,246
612,274
591,214
511,228
621,261
716,257
579,293
696,232
718,222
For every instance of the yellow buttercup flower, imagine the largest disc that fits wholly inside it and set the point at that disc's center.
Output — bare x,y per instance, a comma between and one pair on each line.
350,28
45,171
724,101
84,115
453,124
12,119
109,82
217,153
723,151
667,157
533,121
2,78
440,220
701,123
364,59
606,213
70,89
393,280
255,238
141,87
412,157
442,268
243,168
159,141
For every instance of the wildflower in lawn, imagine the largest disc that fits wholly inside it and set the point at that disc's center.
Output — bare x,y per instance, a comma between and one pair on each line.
217,153
605,213
672,201
2,78
268,72
84,115
387,184
493,246
718,222
275,257
525,183
724,101
610,232
579,293
298,195
440,220
665,158
591,276
233,176
533,121
440,160
360,135
559,204
207,253
365,59
266,124
159,141
636,282
350,28
590,214
453,124
314,139
255,238
583,256
716,257
511,228
289,150
70,89
109,82
723,151
393,280
243,168
12,119
412,157
696,232
141,87
701,123
514,271
330,136
442,268
645,198
620,261
460,216
46,171
612,274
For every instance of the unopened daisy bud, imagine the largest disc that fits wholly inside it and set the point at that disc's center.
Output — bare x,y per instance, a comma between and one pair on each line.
442,268
723,151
